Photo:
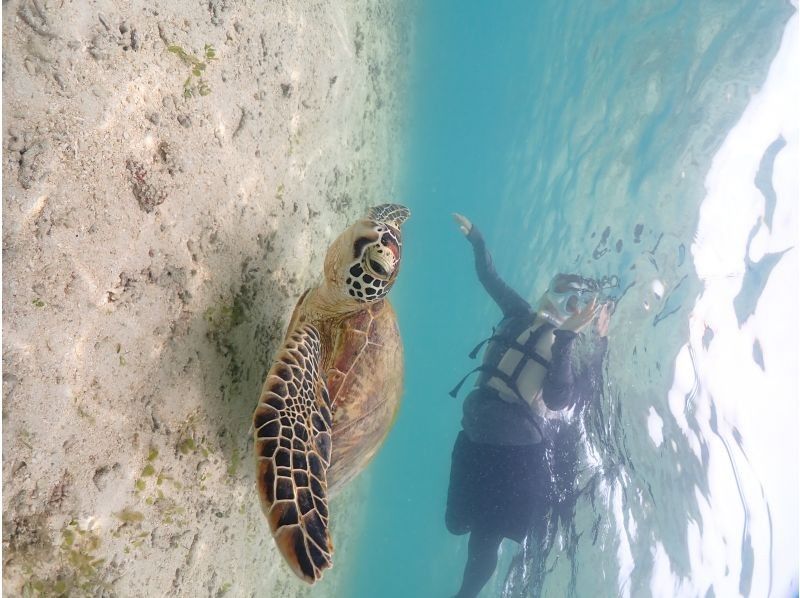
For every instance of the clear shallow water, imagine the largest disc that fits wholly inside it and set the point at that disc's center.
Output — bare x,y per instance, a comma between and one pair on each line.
595,137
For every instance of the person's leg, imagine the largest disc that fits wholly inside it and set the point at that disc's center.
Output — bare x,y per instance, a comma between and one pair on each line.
481,562
459,510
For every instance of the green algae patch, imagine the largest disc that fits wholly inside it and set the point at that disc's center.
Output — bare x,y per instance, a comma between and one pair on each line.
81,572
195,84
236,460
129,516
187,445
224,317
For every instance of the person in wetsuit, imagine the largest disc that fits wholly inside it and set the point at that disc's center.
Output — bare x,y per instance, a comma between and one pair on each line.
508,466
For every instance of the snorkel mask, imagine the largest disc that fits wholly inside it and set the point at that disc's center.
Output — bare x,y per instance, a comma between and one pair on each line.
569,294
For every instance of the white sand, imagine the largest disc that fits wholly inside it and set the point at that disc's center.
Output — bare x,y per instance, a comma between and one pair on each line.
153,248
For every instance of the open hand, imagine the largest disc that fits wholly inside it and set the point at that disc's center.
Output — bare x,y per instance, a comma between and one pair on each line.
463,223
578,321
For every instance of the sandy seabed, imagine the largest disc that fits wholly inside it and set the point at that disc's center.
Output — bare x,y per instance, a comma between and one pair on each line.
162,211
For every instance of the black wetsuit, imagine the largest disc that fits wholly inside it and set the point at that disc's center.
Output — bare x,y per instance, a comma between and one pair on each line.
508,466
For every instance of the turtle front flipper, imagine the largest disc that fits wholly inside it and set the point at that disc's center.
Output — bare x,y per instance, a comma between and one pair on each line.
292,428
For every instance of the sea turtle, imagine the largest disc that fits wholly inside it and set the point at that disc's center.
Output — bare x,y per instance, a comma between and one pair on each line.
333,391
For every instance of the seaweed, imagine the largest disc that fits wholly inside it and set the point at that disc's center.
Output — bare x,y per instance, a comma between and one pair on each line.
82,572
197,68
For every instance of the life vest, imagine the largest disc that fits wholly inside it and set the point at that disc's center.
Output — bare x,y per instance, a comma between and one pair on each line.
527,350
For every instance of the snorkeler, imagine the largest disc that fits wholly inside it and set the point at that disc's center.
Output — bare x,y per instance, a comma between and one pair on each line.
507,459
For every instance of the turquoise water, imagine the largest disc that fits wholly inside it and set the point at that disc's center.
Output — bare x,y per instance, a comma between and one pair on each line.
578,136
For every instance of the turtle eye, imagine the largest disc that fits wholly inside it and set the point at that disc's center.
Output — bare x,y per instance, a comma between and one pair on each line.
378,263
377,268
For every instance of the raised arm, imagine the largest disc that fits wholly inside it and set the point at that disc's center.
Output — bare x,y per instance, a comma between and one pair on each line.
564,385
558,390
506,298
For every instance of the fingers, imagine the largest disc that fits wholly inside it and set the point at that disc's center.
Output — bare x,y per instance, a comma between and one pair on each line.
463,223
602,320
579,320
591,310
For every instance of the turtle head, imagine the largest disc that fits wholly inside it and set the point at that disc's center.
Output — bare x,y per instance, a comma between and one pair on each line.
364,261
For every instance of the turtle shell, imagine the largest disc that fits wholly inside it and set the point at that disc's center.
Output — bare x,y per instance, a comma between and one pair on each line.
364,379
332,393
